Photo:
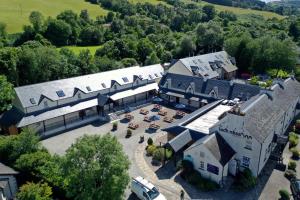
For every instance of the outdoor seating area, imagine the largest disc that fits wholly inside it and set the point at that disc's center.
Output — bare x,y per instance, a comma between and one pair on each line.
168,119
129,117
154,126
162,113
144,111
179,113
157,107
133,126
147,119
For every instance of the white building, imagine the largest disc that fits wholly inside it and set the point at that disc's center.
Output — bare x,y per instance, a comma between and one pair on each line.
213,65
220,139
55,106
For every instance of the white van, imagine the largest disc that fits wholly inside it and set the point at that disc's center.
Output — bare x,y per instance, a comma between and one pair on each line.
145,190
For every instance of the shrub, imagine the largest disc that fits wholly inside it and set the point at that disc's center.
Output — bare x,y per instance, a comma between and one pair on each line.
195,178
290,174
293,139
187,168
159,154
150,150
115,125
284,195
129,133
245,180
292,165
150,141
295,153
254,80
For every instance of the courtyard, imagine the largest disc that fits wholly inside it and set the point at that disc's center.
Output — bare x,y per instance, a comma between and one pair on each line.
165,178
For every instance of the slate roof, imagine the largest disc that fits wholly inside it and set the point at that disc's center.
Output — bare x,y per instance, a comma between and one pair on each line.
207,64
84,83
203,87
218,147
265,111
180,140
5,170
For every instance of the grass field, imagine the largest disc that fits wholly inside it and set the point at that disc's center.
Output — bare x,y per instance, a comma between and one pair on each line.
77,49
15,12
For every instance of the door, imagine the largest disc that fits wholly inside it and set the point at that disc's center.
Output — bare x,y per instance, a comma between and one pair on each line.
232,167
177,99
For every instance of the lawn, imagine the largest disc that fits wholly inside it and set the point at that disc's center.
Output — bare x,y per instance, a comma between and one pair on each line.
15,12
77,49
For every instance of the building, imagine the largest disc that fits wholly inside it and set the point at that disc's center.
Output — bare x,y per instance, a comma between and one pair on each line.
218,65
55,106
221,139
194,92
8,183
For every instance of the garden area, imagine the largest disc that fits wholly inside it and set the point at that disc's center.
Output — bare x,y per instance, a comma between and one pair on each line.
160,155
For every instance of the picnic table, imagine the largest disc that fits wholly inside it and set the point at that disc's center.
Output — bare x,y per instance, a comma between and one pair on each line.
157,107
154,126
129,117
144,111
147,119
180,113
168,119
133,126
162,113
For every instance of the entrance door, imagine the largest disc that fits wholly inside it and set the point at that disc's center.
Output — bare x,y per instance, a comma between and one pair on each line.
177,99
232,167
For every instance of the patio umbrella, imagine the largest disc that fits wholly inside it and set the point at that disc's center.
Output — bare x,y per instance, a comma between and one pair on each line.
180,106
155,117
157,99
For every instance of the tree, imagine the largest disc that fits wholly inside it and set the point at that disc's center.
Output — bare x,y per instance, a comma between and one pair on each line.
3,34
209,11
144,48
85,62
294,29
37,20
35,191
187,47
152,59
6,94
102,166
8,64
58,32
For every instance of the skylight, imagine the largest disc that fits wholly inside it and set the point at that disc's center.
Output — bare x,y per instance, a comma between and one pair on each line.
125,79
60,93
32,101
150,76
103,85
88,88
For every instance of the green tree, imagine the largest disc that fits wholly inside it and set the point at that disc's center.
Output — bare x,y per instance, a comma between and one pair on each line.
209,11
187,47
152,59
8,64
6,94
102,166
58,32
35,191
37,21
144,48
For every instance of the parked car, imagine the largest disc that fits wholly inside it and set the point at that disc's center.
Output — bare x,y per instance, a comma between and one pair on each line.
295,188
145,190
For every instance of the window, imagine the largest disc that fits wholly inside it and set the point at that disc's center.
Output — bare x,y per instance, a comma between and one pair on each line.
246,161
60,93
156,74
115,87
45,104
201,165
213,169
150,76
88,88
125,79
202,154
103,85
32,101
248,145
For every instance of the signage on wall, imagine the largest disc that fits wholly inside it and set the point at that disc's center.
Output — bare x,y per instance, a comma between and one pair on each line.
235,133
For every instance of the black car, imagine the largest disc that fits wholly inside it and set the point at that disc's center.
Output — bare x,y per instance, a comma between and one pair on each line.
295,188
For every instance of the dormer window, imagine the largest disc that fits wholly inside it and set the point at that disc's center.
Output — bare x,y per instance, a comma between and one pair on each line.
150,76
140,76
88,88
45,104
103,85
60,93
125,79
32,101
156,75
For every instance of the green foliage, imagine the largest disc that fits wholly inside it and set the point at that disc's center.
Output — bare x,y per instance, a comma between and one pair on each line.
277,74
115,125
12,147
35,191
6,94
254,80
245,180
102,166
290,174
292,165
204,184
161,153
295,153
293,139
150,141
128,133
284,194
150,150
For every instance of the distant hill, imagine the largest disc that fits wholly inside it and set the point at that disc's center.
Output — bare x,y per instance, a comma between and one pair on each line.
294,3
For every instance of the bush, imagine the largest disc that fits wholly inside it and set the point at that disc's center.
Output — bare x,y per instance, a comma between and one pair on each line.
115,125
159,154
245,180
187,168
293,139
290,174
284,195
150,150
195,178
254,80
129,133
295,153
292,165
150,141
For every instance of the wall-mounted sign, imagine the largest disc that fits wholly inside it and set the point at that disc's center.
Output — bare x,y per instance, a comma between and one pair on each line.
235,133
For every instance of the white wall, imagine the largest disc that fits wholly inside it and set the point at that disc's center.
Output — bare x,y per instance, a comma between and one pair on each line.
179,68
